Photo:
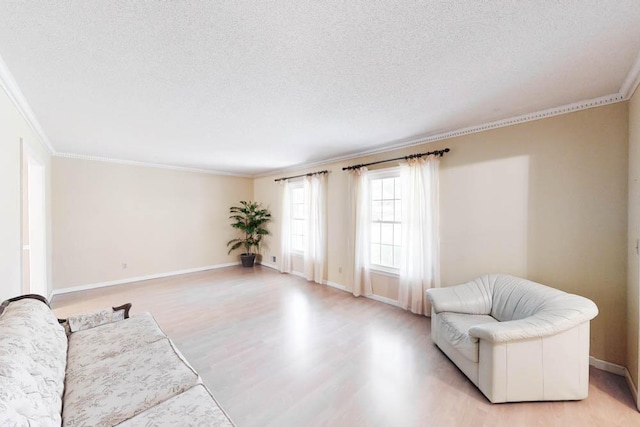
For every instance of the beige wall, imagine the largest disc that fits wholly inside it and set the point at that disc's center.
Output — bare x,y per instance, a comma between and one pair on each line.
154,220
13,127
546,200
634,235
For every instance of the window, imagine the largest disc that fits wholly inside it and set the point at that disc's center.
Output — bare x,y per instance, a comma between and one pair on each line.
386,219
297,217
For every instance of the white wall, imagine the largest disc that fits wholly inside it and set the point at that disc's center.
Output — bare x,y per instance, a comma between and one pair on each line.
13,128
545,200
151,219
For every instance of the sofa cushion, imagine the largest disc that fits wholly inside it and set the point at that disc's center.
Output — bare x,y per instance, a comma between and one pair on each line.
194,407
117,388
108,340
455,330
32,364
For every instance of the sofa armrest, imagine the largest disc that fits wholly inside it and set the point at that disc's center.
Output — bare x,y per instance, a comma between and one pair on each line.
6,303
91,320
540,325
468,298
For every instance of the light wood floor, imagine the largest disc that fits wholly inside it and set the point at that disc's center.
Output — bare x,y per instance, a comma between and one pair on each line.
276,350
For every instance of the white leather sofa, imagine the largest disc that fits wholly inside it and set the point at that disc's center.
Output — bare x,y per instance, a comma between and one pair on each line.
515,339
106,370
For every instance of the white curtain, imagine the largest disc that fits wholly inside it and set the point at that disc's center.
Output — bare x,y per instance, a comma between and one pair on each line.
420,263
315,191
359,228
285,227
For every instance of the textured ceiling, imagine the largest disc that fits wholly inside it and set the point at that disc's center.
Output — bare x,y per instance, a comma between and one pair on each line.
251,86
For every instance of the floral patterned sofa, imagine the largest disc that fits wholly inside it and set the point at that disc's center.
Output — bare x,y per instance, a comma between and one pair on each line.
102,369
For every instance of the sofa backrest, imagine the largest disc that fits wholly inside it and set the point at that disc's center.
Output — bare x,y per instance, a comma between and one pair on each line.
514,298
33,356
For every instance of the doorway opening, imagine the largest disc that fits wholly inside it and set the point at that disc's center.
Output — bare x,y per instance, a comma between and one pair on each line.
34,239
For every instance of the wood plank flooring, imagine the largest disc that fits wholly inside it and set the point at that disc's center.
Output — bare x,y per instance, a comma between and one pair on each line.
276,350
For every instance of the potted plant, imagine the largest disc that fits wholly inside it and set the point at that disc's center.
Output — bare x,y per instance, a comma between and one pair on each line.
251,219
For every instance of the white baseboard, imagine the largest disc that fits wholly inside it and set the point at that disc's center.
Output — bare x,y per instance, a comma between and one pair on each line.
607,366
299,274
335,285
137,279
373,296
632,387
269,265
617,370
383,299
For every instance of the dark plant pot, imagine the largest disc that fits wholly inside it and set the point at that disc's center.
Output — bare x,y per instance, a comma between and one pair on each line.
248,259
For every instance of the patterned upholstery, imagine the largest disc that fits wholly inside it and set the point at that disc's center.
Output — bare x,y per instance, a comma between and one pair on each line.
116,371
195,404
114,389
89,346
31,370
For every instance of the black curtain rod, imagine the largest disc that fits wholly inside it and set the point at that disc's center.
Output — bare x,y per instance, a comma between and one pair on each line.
409,157
304,174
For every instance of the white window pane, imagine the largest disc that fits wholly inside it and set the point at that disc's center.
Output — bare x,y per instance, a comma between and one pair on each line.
387,210
386,255
398,211
299,211
386,234
376,211
396,256
398,194
296,243
387,188
375,233
397,234
376,189
375,254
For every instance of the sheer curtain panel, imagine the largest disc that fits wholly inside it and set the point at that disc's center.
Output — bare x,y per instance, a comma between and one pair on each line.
420,263
285,227
315,190
359,224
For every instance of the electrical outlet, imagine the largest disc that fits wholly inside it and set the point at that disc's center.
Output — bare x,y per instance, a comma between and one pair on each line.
339,269
273,258
124,266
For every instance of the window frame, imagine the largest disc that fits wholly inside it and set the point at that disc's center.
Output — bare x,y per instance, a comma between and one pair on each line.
393,172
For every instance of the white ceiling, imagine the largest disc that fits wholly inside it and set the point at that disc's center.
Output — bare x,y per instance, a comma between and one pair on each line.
248,87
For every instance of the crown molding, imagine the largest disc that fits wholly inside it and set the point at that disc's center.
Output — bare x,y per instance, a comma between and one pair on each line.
424,139
9,85
632,80
148,165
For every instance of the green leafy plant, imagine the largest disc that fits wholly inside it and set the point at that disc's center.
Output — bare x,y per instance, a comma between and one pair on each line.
250,218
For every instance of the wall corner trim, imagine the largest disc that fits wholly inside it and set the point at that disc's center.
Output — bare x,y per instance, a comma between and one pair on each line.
137,279
10,86
586,104
149,165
